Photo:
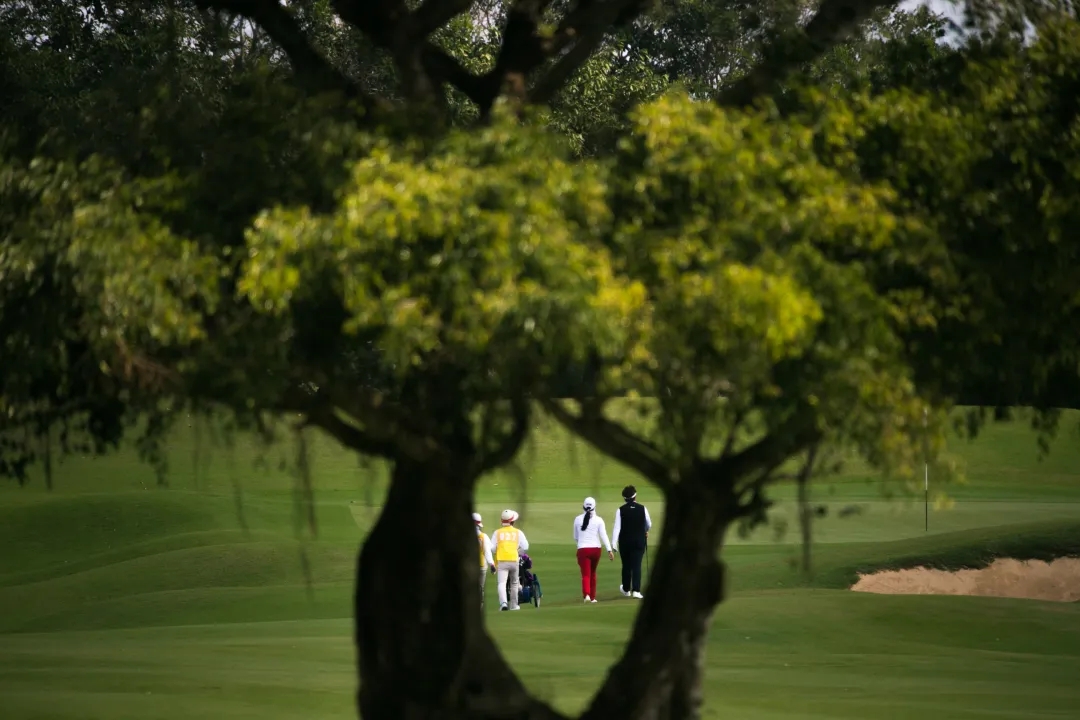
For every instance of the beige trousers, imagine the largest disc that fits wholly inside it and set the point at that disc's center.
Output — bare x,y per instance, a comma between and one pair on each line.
508,571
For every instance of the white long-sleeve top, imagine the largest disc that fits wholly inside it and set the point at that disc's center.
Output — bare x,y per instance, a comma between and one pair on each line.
591,536
618,525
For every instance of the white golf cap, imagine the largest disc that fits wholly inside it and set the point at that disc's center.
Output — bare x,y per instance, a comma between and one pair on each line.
509,516
477,519
589,504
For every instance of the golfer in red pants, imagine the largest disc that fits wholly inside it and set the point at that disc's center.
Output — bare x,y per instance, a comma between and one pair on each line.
589,532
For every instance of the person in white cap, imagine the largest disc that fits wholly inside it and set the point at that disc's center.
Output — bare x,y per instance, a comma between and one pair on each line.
486,561
589,532
509,544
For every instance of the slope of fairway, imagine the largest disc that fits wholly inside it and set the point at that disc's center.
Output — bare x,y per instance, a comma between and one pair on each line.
55,532
208,598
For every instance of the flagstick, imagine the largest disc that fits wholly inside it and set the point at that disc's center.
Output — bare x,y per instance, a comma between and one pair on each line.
926,476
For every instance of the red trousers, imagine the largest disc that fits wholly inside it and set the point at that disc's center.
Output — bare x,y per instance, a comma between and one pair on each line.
587,560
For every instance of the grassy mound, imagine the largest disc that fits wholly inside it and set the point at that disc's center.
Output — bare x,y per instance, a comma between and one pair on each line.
973,550
59,531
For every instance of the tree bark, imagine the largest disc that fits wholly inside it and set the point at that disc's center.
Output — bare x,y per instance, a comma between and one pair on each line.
423,650
660,673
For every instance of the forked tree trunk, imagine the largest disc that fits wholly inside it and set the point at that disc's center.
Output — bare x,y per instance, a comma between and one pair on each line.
659,675
423,650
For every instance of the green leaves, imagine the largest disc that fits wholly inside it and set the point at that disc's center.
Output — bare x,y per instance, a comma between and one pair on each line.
80,230
140,277
761,265
473,250
796,264
988,168
716,253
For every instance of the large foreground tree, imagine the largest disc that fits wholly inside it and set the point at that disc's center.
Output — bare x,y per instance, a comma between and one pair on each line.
397,209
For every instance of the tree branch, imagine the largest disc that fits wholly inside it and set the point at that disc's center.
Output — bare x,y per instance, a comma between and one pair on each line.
766,454
386,22
281,25
832,22
350,436
729,443
401,430
522,52
434,14
589,16
614,441
582,30
510,444
549,85
443,67
384,431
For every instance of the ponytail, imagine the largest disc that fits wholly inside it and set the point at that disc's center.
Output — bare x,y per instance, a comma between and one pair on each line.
585,522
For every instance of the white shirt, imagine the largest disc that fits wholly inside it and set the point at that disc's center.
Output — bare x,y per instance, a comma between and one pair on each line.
487,546
618,525
591,536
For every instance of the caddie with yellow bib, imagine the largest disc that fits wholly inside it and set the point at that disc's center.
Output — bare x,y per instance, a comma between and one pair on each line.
486,561
509,543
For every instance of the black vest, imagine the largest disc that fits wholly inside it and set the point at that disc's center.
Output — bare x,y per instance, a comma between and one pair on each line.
632,526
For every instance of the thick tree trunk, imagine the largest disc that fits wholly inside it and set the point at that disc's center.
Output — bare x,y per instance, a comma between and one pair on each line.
423,650
659,675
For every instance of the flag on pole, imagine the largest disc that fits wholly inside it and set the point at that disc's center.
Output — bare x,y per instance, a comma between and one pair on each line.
926,472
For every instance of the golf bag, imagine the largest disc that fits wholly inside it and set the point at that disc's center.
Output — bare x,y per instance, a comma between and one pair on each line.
529,590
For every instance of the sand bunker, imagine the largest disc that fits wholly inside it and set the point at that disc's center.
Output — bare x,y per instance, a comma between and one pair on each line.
1057,581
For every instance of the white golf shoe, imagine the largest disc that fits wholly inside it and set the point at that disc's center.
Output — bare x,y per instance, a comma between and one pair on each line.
588,599
637,595
593,600
625,593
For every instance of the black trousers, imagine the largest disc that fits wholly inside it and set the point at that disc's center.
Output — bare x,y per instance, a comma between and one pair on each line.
631,567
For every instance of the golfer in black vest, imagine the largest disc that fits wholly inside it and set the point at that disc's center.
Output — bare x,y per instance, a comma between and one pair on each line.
632,524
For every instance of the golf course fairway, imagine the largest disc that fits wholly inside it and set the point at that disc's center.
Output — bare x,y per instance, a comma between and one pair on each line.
123,599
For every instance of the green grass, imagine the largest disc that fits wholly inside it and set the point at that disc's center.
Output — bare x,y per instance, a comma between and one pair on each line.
121,599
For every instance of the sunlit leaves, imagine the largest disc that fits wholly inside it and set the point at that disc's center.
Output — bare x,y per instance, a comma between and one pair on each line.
478,249
137,276
129,273
760,262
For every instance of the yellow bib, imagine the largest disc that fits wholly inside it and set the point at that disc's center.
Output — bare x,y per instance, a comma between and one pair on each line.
506,544
480,539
